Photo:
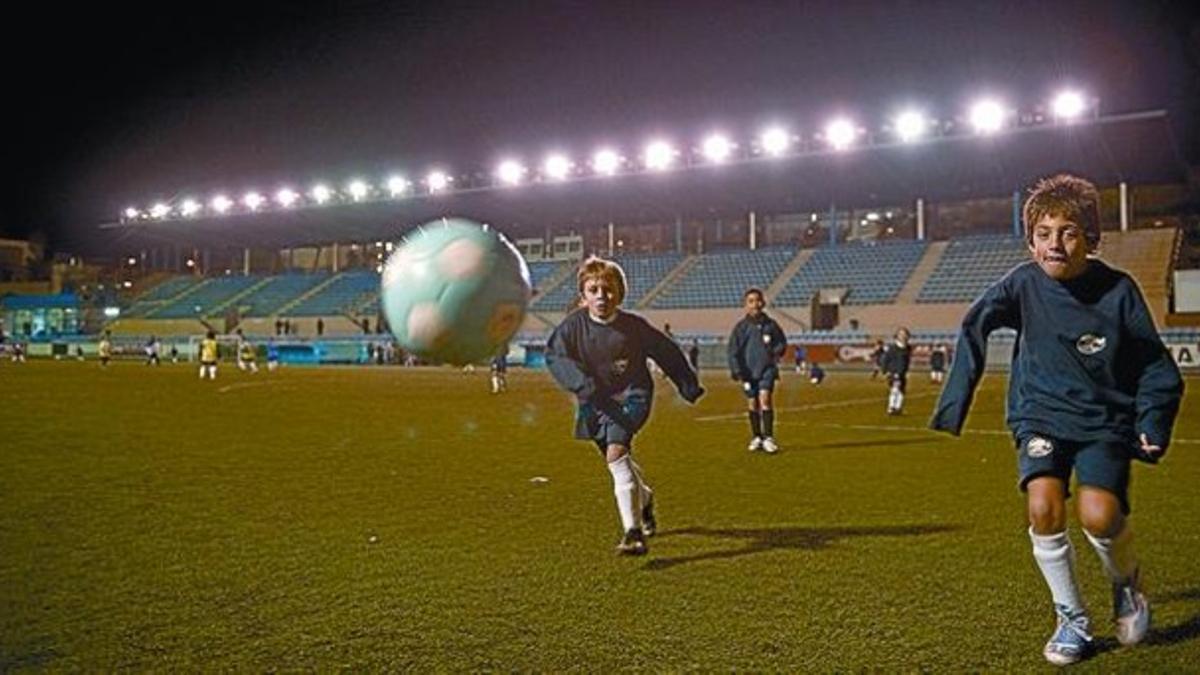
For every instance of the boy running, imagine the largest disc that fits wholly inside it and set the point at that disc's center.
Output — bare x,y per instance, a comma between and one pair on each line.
894,363
755,347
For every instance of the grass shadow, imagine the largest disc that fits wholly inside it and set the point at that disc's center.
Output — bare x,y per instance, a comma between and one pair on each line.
758,540
882,443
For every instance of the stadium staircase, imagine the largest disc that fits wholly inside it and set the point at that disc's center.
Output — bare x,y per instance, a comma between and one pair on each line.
785,275
177,297
1148,255
219,308
668,279
921,273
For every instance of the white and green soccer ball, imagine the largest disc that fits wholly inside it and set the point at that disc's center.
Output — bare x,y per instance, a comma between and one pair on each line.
455,292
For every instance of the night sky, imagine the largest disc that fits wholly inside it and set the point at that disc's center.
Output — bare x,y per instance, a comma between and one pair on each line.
120,104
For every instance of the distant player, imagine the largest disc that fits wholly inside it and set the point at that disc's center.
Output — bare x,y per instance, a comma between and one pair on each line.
174,353
1091,387
151,349
877,359
500,372
104,349
894,363
755,346
800,356
247,354
272,355
599,354
937,363
79,352
208,356
18,351
816,374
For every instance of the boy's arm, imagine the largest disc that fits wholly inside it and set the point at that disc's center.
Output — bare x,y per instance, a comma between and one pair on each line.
997,308
734,349
565,366
778,340
670,358
1160,387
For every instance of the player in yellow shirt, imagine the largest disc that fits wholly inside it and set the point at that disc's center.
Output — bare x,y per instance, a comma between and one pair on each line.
247,354
208,356
104,349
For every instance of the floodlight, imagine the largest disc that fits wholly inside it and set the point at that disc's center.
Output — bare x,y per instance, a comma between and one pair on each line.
132,213
160,210
190,207
775,141
321,193
437,181
510,172
253,200
557,166
286,197
840,133
659,155
1068,105
221,203
397,186
131,261
717,148
606,162
910,125
357,189
987,116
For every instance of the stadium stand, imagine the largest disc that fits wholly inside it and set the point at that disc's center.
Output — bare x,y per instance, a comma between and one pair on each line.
969,265
276,292
208,297
644,272
873,273
160,295
718,279
344,293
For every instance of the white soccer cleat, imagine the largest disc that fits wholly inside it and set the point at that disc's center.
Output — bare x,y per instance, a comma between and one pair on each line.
1072,639
756,444
769,445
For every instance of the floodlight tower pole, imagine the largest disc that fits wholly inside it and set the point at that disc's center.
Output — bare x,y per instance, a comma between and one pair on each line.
832,225
1124,192
246,262
753,231
920,219
612,238
1016,213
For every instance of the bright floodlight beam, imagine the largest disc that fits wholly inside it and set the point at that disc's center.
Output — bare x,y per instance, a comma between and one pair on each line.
358,189
1069,105
987,116
910,125
286,197
321,193
190,207
717,148
775,141
557,167
252,200
510,172
397,186
437,181
840,133
659,156
606,162
221,203
160,210
132,213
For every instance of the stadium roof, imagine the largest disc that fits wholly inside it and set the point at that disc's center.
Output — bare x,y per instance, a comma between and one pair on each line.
1136,148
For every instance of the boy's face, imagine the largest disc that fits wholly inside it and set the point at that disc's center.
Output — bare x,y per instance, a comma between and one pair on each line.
1059,247
902,336
600,297
754,304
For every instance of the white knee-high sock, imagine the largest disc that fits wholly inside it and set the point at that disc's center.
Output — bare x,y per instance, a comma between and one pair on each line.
202,369
899,399
1116,554
625,488
643,487
1056,559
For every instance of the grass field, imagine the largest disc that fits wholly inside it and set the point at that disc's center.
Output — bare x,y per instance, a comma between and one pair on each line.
386,519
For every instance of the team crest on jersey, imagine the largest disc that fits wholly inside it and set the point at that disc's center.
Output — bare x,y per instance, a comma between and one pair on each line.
766,338
619,366
1038,447
1091,344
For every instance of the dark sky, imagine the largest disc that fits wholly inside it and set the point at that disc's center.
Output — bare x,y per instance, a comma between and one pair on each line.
120,104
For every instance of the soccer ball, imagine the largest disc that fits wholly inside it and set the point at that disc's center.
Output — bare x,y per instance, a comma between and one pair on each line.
455,292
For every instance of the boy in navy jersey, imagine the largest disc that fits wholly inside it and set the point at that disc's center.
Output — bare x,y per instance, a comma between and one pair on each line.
894,363
598,353
1091,387
755,346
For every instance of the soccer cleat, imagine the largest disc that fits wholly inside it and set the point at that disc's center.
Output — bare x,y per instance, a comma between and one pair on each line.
769,445
756,444
633,543
1131,612
1072,639
649,522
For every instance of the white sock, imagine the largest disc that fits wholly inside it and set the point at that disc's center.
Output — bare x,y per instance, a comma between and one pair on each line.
1116,554
1056,559
646,492
202,369
625,488
899,399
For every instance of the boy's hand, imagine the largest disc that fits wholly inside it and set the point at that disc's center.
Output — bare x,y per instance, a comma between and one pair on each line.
1148,451
693,395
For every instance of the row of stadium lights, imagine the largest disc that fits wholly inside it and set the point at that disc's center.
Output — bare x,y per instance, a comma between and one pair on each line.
986,116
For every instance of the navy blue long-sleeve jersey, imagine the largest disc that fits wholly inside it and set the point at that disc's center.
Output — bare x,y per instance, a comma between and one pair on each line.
1088,364
598,361
755,344
896,359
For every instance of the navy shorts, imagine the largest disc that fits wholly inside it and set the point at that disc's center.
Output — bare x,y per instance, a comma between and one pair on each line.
898,381
764,383
612,422
1099,464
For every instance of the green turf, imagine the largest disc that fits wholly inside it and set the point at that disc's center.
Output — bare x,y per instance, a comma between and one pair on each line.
385,518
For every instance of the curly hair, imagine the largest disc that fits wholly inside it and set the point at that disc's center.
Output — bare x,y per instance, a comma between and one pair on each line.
1068,197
